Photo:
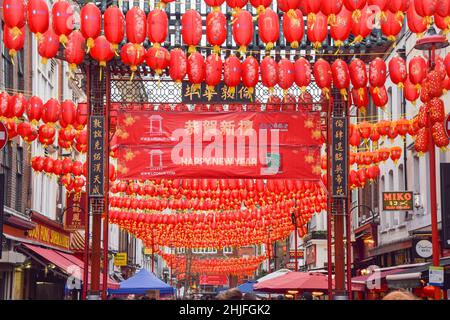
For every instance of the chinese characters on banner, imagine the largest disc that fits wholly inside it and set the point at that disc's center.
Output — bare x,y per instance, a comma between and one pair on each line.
96,156
75,206
220,94
339,157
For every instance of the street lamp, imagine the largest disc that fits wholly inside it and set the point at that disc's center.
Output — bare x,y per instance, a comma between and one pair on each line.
429,44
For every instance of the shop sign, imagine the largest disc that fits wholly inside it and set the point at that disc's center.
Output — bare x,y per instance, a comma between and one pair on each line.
436,276
311,255
339,165
74,213
221,93
120,259
96,156
300,254
398,201
47,235
423,248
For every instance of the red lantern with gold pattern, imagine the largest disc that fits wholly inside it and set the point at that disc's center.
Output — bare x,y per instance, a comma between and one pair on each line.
216,29
177,65
191,29
317,30
422,140
17,104
74,51
27,132
91,19
51,111
440,138
269,28
14,43
323,75
397,71
358,73
34,109
48,46
157,58
269,72
213,71
391,26
379,96
38,17
63,19
360,98
157,26
293,27
341,76
363,27
340,29
232,71
243,29
136,25
416,23
250,73
302,72
196,69
286,74
417,70
114,26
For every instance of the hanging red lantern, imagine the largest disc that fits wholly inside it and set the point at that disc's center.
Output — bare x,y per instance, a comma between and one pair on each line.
379,96
397,71
37,17
177,65
442,23
436,110
102,52
213,72
136,25
355,7
440,138
416,23
48,46
236,4
243,29
398,7
302,73
410,91
196,69
114,22
323,76
191,29
34,110
250,73
422,140
14,43
293,27
82,115
331,9
157,26
373,172
17,104
51,111
360,98
391,26
74,51
90,23
317,30
286,74
340,29
426,9
363,27
11,128
132,55
14,15
215,4
377,75
216,29
260,5
269,72
341,76
27,132
68,113
62,20
232,71
269,28
417,70
358,73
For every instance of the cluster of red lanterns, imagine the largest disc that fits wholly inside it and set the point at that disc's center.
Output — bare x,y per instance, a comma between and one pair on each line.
359,178
236,266
368,158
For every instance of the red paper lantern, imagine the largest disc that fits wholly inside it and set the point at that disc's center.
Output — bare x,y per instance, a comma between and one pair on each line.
90,23
286,74
62,19
250,73
341,76
215,4
398,7
379,96
317,30
68,113
302,72
358,73
260,5
397,71
82,115
17,104
269,72
236,4
360,98
341,27
442,23
177,65
136,25
377,76
363,27
132,55
416,23
422,140
34,109
355,7
232,71
74,51
12,42
157,26
391,26
438,132
417,70
14,15
51,111
196,69
213,71
114,22
191,29
323,75
410,91
293,27
426,8
331,9
102,52
48,46
243,29
38,17
216,29
269,28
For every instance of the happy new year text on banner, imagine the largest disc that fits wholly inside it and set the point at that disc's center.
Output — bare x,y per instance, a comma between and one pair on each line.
169,128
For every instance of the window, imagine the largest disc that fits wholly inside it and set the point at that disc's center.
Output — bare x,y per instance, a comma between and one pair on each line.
401,178
416,174
19,179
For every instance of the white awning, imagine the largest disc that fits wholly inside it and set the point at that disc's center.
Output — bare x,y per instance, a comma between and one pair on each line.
404,276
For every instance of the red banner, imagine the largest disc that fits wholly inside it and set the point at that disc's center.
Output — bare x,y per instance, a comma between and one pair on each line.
170,128
213,280
185,161
75,206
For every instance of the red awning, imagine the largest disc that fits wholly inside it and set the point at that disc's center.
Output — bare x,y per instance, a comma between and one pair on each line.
301,281
67,263
213,280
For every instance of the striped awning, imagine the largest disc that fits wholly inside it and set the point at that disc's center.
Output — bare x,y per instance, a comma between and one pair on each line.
77,241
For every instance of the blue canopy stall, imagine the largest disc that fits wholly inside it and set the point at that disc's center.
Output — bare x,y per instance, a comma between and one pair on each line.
247,287
142,282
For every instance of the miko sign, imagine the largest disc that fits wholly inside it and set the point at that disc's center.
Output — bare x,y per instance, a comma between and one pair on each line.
447,125
398,201
3,135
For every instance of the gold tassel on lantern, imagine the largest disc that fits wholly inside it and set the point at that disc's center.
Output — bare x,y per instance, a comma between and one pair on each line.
294,44
356,15
343,92
89,44
192,49
357,39
242,50
216,49
63,39
269,46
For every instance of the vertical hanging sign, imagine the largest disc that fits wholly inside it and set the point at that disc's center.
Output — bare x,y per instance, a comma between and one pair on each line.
339,171
96,156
